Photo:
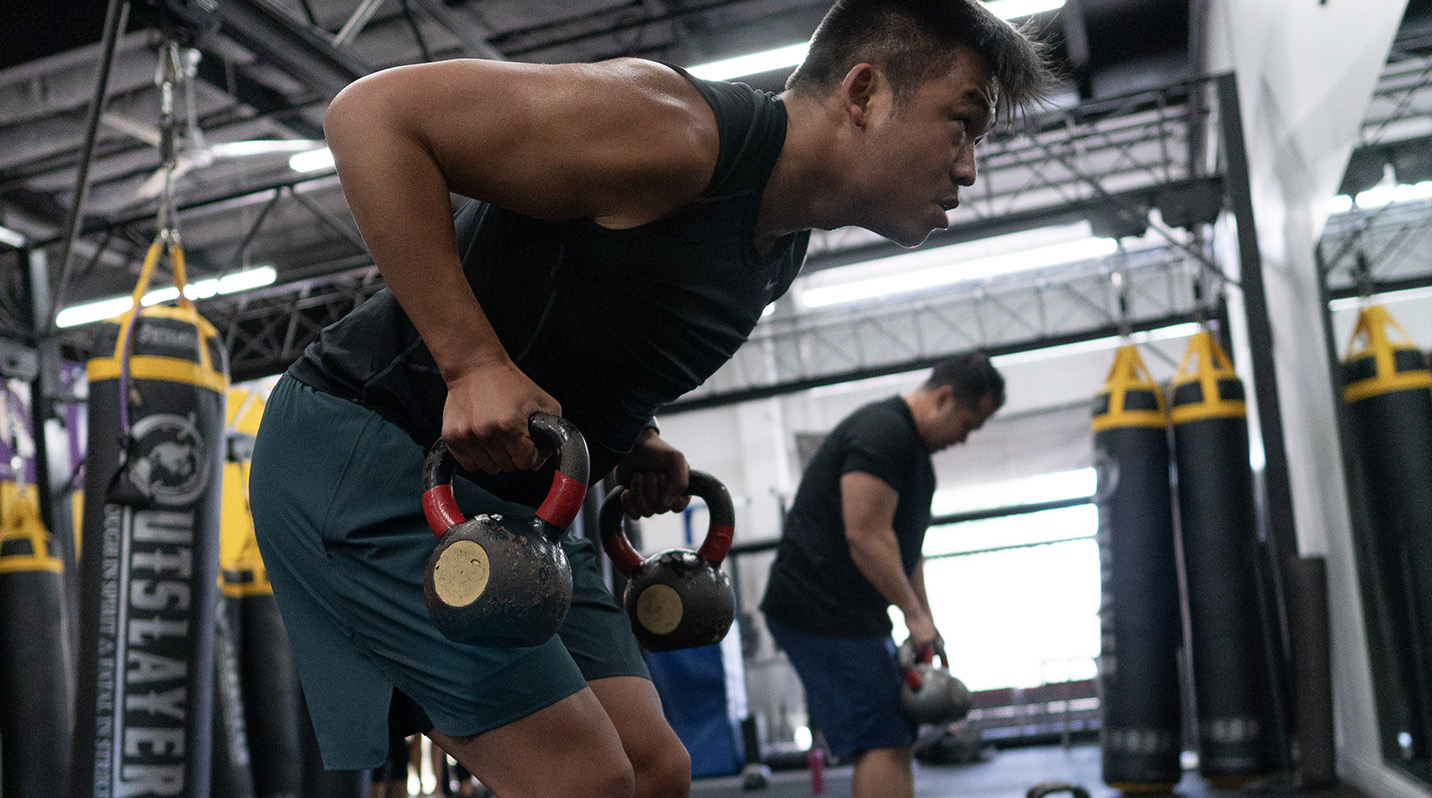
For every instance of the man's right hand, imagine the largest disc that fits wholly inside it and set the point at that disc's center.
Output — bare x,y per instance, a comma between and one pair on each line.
923,634
485,418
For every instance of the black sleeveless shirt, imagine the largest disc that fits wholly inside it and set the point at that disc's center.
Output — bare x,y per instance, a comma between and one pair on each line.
612,323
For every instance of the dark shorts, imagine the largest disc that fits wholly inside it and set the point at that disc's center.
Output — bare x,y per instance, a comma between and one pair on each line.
852,687
336,496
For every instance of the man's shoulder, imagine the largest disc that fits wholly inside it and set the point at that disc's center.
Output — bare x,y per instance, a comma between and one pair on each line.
890,412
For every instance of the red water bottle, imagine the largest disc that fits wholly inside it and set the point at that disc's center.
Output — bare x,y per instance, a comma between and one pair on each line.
815,761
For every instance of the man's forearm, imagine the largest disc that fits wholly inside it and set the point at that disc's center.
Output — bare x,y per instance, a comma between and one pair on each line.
877,557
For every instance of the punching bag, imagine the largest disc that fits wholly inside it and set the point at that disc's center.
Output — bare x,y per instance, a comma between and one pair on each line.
1390,412
1139,612
34,647
232,776
149,586
270,694
1218,525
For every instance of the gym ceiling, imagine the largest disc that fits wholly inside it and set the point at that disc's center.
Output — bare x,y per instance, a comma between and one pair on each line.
266,70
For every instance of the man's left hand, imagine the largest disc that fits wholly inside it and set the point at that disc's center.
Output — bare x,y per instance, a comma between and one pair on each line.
655,475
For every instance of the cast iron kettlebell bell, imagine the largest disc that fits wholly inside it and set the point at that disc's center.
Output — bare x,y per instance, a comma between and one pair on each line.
500,580
678,598
930,693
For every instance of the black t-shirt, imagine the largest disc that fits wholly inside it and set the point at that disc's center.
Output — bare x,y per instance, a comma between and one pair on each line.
612,323
814,584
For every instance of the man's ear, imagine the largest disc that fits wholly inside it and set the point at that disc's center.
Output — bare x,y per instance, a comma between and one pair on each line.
944,397
856,92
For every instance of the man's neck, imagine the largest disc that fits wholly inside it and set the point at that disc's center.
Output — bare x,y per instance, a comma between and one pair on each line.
805,176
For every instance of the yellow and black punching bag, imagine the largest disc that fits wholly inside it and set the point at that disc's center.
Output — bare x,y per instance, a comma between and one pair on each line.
1386,380
1218,525
234,775
149,586
34,650
270,685
1139,613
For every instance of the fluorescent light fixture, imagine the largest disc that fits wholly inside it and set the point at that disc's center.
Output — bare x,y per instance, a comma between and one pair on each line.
948,273
792,54
753,63
202,289
14,238
1380,195
237,149
1169,333
92,311
159,295
1386,298
1341,203
311,161
246,280
908,378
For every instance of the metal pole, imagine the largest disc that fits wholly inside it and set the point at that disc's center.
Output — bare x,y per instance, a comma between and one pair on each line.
1281,535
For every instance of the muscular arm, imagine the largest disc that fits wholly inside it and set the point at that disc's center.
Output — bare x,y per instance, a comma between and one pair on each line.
868,507
623,142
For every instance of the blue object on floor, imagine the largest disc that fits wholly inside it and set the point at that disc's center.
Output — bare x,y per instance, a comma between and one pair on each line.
703,695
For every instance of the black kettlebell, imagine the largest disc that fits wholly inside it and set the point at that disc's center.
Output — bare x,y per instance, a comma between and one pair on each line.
503,581
678,598
930,693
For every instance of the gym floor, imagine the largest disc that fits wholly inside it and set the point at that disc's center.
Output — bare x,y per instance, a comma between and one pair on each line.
1006,773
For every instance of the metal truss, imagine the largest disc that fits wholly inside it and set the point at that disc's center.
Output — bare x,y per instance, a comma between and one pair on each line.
266,331
1065,305
1093,150
1389,247
1379,249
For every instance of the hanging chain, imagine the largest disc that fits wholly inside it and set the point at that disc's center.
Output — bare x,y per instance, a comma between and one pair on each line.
1362,274
1120,279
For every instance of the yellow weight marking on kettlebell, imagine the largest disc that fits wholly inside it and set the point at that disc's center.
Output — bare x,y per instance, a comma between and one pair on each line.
462,573
659,609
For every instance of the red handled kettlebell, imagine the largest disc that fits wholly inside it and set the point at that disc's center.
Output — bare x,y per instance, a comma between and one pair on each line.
930,693
678,598
501,580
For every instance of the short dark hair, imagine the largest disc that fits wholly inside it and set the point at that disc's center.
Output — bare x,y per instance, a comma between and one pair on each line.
971,375
913,41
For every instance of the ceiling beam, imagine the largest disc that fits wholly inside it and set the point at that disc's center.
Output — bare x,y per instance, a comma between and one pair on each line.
263,28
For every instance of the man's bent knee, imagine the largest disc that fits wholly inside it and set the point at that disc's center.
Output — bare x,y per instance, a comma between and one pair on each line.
664,773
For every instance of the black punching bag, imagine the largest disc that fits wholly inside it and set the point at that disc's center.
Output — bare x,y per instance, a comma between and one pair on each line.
270,685
149,569
1390,412
1139,613
1219,531
232,775
35,681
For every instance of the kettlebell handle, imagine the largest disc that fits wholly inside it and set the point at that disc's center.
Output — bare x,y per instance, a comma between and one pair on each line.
718,534
564,498
924,656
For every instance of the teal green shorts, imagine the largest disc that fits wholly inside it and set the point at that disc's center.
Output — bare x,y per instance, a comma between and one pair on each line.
337,505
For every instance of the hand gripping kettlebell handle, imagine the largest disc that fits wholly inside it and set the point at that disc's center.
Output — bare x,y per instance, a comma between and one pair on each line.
909,658
564,498
718,535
